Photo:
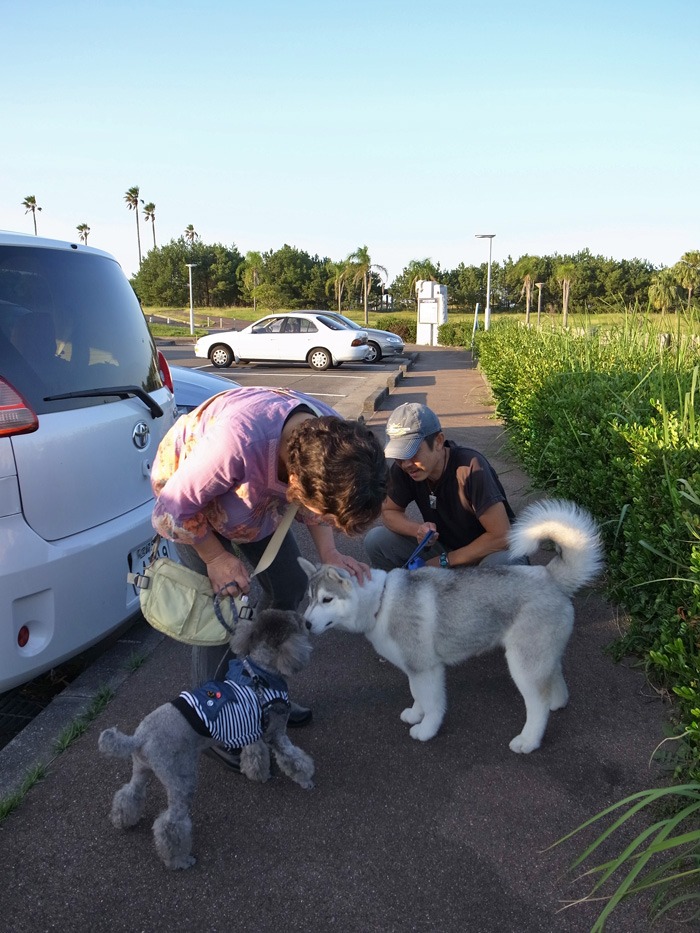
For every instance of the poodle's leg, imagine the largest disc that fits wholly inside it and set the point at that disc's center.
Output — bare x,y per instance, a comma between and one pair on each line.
129,800
255,761
538,688
428,691
172,830
293,761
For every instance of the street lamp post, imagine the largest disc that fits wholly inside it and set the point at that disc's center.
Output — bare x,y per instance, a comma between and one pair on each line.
190,266
539,285
487,312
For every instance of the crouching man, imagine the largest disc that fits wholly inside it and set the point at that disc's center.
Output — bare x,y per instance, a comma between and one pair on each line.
457,491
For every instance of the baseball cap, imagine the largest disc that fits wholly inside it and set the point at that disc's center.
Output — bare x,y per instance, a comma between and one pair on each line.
406,428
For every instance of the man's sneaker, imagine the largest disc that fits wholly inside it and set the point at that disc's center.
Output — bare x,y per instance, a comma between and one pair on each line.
230,758
298,715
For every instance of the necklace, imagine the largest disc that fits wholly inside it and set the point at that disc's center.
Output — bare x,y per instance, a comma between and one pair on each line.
432,498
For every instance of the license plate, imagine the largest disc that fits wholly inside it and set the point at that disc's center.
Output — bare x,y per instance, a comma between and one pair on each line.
140,558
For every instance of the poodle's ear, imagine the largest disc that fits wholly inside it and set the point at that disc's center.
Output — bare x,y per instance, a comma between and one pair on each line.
293,654
306,565
241,638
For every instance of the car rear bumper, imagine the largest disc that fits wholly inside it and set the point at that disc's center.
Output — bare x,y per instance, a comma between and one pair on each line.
67,594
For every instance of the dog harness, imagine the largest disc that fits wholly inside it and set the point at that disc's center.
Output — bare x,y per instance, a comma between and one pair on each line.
234,712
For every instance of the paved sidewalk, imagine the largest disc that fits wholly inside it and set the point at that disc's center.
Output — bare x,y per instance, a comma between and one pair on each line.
398,835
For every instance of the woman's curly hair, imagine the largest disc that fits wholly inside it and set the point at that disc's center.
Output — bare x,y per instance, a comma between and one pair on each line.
339,469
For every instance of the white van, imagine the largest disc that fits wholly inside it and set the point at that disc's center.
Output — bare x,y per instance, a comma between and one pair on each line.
84,403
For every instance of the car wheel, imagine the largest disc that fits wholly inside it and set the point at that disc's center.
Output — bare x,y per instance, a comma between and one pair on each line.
374,353
221,355
319,358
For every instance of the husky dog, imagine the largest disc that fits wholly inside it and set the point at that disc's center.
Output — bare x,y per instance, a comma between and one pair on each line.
422,620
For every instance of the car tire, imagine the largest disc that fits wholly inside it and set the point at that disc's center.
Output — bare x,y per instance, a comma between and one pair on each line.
319,358
374,354
221,355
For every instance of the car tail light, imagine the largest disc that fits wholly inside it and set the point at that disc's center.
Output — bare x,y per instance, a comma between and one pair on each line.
16,414
23,636
359,342
164,370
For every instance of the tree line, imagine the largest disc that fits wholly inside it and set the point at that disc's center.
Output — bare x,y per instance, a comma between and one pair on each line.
292,278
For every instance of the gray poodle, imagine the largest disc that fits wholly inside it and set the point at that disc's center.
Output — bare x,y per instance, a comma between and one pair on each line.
247,710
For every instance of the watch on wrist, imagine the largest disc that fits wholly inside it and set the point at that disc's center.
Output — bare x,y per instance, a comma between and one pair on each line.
444,559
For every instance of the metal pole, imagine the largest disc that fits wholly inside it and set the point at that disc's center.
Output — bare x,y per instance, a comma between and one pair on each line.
190,266
487,311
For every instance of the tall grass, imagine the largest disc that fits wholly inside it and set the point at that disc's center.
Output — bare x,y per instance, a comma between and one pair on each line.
609,417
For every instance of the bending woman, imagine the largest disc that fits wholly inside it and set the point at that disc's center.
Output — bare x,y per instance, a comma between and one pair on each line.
225,473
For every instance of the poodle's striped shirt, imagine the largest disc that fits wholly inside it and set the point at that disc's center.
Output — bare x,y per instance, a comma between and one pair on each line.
231,711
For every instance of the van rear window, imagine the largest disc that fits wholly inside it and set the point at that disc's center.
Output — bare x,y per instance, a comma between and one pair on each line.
70,322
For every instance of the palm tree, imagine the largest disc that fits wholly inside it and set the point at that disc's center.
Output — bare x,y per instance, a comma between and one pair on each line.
528,285
338,273
663,290
191,234
687,271
420,270
132,202
30,204
565,273
84,232
361,266
149,212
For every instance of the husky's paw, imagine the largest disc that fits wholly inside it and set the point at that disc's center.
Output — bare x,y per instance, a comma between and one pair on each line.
423,731
522,746
411,715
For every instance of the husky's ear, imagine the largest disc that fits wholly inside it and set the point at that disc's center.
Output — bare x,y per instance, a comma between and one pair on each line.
306,565
340,575
241,638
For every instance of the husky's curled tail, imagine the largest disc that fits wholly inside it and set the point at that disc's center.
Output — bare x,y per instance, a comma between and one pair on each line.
573,531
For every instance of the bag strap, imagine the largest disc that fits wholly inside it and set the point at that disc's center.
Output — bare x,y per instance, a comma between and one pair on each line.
275,541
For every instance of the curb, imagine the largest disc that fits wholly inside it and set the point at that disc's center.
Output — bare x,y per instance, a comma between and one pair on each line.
35,745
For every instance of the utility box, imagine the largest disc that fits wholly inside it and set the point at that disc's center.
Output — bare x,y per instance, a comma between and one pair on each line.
432,311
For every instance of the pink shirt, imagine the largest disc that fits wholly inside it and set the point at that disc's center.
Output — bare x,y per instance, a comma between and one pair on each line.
217,467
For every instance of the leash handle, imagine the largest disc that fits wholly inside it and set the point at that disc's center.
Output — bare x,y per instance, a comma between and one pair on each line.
417,551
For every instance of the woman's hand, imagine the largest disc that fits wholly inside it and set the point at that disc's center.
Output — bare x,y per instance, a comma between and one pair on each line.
361,571
225,569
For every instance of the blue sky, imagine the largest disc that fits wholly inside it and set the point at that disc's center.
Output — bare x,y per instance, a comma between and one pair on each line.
407,127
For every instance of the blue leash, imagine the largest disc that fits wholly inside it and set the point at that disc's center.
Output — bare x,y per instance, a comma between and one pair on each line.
414,561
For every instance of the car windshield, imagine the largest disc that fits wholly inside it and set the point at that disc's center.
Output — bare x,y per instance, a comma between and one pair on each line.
331,322
58,328
346,321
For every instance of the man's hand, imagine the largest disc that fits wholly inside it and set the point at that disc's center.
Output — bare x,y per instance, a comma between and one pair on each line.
423,530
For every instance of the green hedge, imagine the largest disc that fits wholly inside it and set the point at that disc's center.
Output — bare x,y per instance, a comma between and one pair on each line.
406,329
609,421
